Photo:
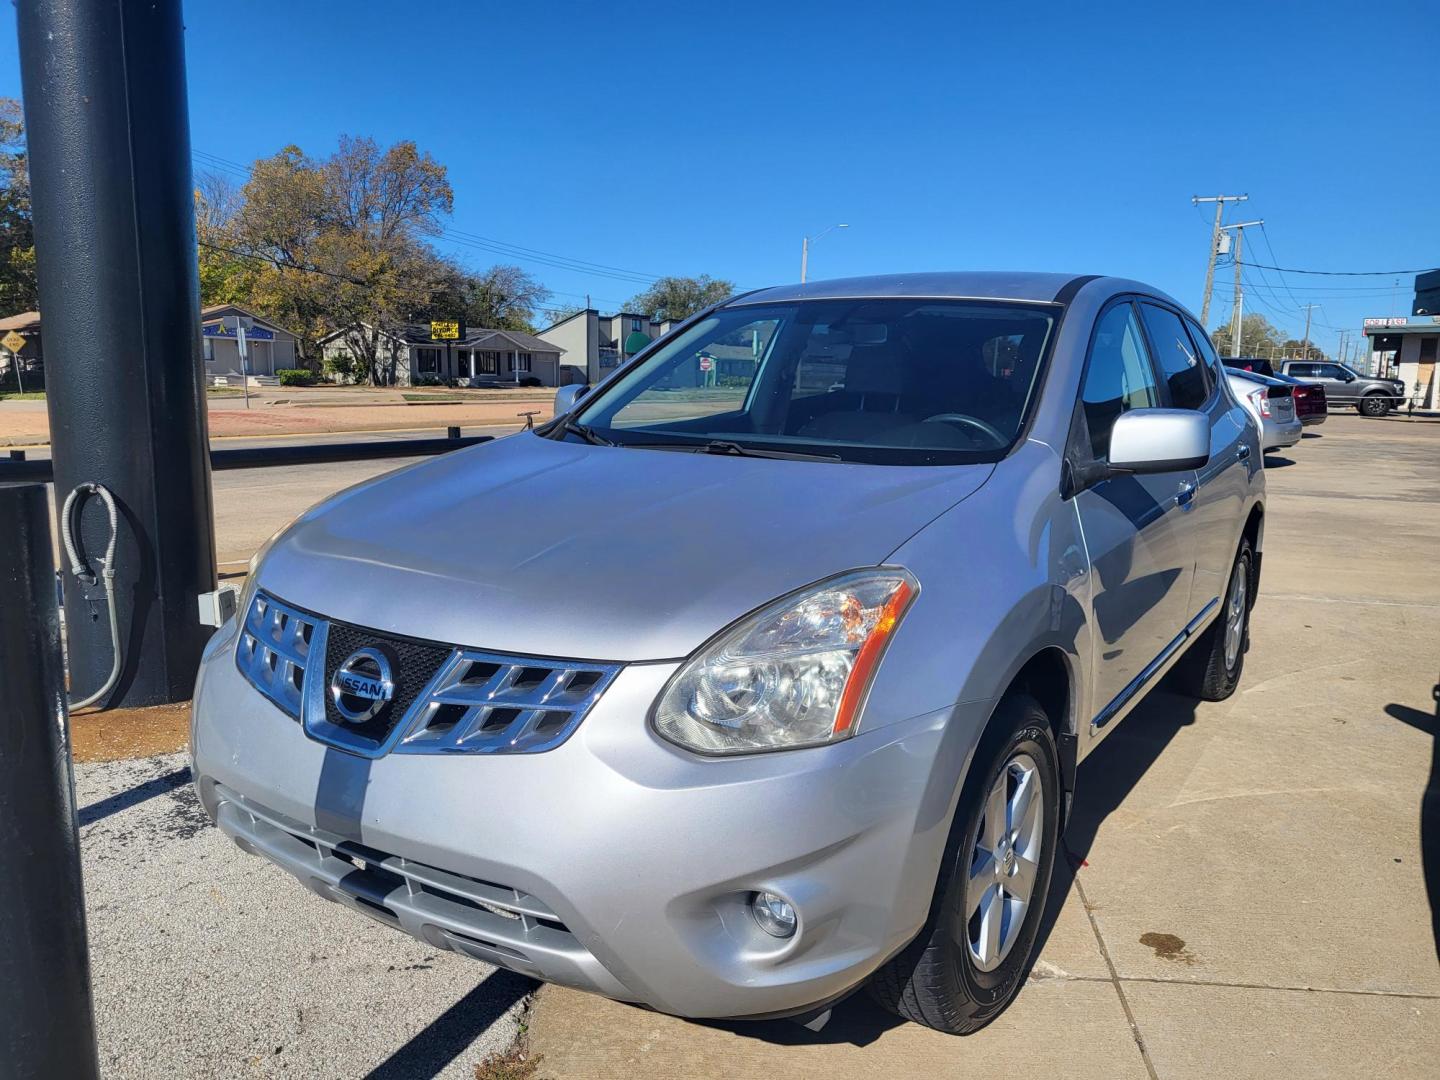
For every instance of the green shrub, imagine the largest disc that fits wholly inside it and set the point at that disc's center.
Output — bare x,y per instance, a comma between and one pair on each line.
289,376
342,367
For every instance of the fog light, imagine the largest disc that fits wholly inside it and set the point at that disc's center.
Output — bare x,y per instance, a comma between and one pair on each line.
774,914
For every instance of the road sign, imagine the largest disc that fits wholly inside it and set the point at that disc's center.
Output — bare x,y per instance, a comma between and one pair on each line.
706,363
445,329
13,341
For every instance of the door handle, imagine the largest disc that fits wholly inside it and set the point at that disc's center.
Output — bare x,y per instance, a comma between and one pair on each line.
1185,497
1243,454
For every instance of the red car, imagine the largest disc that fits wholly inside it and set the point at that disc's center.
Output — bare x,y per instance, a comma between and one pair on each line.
1310,403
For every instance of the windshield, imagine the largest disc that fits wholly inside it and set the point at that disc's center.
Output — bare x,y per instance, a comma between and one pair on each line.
891,381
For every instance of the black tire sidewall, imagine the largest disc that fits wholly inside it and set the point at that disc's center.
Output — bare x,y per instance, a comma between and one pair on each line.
1030,735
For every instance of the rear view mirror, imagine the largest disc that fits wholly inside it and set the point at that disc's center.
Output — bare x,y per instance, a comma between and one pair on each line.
1159,440
566,397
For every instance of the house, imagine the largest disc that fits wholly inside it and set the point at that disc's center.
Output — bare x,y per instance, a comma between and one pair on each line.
480,358
270,348
596,344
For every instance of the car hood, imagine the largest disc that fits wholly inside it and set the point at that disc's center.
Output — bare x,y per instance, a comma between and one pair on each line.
528,545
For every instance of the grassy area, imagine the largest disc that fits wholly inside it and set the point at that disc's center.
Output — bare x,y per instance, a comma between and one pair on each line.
224,391
433,399
29,395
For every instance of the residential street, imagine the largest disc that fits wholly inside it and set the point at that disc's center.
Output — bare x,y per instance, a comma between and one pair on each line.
1250,901
319,410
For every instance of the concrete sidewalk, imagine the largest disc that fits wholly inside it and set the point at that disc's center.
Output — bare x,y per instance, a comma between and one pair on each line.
1250,898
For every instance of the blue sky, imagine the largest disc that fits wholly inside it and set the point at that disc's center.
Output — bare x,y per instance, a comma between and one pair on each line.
682,138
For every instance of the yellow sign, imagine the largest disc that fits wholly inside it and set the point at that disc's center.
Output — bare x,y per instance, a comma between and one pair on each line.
444,330
13,341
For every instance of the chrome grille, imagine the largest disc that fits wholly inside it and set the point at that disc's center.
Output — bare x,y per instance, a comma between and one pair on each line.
448,699
486,703
274,650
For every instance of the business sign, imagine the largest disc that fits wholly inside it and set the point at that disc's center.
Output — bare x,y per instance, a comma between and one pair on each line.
13,341
220,330
446,329
1398,320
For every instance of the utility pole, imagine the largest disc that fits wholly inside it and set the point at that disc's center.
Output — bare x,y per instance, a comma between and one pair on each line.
805,242
1219,201
1237,324
108,133
1305,342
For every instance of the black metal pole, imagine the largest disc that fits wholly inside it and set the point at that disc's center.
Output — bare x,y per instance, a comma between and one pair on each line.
109,145
48,1028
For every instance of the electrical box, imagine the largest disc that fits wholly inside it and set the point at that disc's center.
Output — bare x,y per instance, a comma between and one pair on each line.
1222,245
217,607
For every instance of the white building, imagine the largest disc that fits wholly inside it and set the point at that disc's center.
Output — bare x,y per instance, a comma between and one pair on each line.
595,345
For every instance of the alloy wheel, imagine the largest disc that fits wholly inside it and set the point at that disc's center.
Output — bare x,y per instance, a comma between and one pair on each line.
1004,863
1235,615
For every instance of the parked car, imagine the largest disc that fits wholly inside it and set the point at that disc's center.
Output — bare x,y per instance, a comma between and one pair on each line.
1271,404
1250,363
730,701
1311,405
1371,396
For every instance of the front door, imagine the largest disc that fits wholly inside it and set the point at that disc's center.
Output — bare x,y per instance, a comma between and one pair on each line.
1136,528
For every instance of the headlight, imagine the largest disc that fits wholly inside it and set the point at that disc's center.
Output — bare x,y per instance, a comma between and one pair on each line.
795,673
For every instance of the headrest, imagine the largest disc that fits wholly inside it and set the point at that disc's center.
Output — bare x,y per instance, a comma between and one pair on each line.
875,369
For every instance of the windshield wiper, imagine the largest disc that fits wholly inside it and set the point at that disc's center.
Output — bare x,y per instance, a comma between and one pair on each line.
724,446
590,435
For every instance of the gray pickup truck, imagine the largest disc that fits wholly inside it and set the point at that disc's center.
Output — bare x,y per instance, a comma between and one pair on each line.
1371,397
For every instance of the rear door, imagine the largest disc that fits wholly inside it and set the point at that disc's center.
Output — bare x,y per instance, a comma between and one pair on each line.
1137,529
1338,386
1224,481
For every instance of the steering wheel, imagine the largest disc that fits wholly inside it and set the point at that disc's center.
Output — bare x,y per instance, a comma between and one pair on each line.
965,420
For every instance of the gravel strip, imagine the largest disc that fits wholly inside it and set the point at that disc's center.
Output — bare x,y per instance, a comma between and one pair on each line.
210,962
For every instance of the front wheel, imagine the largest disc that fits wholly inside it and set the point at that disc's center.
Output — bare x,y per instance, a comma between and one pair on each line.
970,959
1374,405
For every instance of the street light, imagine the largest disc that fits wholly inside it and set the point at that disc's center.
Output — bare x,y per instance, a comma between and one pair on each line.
805,243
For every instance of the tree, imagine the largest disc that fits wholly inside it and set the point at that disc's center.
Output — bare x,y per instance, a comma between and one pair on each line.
18,289
226,275
500,298
342,242
1296,348
676,298
1257,337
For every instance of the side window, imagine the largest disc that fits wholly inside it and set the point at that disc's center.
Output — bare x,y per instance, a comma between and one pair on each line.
1178,361
1118,376
1329,371
1301,371
1207,351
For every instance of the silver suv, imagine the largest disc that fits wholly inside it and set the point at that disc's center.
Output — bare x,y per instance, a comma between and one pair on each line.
763,671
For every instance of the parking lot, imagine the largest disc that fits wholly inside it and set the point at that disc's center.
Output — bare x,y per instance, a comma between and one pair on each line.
1246,889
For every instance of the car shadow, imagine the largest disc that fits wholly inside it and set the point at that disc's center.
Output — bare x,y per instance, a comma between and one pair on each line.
1104,781
1274,461
1311,435
1429,807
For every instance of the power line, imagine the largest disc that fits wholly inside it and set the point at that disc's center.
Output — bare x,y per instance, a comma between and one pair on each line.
1344,273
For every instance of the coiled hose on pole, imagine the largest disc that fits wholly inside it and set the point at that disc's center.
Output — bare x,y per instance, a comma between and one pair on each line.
68,527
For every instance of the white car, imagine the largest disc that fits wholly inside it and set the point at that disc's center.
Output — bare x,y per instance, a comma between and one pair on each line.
1272,404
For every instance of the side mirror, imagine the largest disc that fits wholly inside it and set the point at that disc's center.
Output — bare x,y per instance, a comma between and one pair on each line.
1348,377
566,397
1159,440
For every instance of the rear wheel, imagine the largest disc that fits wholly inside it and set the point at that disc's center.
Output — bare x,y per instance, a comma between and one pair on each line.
1211,669
971,957
1374,405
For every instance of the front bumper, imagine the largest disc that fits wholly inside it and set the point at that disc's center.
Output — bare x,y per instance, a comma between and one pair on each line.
615,862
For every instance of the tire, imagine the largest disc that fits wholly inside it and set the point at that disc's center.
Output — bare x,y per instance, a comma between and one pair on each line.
1374,405
935,980
1210,669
